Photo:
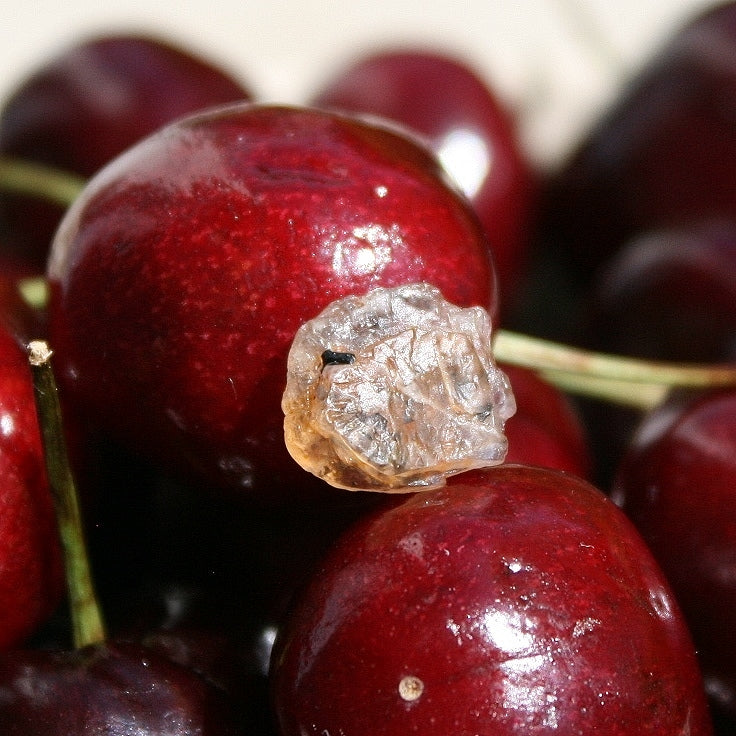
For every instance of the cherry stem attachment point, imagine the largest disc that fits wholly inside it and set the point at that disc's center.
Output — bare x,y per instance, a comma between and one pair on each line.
87,623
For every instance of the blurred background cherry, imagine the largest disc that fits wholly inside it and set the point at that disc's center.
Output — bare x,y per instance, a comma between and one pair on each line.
89,103
667,294
663,155
446,101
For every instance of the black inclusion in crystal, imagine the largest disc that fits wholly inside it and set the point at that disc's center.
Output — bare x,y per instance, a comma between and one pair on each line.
330,357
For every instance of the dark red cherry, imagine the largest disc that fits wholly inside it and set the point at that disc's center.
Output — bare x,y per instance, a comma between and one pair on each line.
31,576
115,689
513,600
677,482
207,629
463,121
547,429
669,295
92,101
182,273
664,154
666,295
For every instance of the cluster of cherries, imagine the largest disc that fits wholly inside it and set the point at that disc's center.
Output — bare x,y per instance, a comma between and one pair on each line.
181,234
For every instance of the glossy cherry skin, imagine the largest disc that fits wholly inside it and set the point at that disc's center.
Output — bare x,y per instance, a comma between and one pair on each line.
116,689
677,483
547,429
207,629
91,102
31,576
454,110
514,600
180,276
663,155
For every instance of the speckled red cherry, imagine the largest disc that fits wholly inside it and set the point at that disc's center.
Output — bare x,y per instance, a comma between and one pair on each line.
180,276
31,576
513,600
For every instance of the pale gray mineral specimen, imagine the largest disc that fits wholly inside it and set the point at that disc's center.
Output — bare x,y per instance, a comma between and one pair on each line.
395,391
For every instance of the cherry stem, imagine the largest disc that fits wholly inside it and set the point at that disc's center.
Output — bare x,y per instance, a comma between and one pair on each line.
37,180
638,383
87,624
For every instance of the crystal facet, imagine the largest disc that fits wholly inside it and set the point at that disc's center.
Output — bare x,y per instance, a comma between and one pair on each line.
395,391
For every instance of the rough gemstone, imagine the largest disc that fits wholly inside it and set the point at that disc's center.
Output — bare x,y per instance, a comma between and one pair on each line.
415,397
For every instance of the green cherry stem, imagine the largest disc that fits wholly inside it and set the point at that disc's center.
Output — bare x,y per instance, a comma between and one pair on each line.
87,623
36,180
638,383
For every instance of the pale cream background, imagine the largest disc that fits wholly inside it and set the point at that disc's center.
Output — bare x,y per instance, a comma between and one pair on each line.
555,62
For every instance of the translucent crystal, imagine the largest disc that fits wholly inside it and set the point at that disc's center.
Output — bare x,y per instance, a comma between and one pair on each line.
395,391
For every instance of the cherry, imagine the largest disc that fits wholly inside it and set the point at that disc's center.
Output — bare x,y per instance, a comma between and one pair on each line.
663,155
208,630
676,482
182,273
636,307
31,578
446,102
521,593
92,101
112,689
547,429
115,687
